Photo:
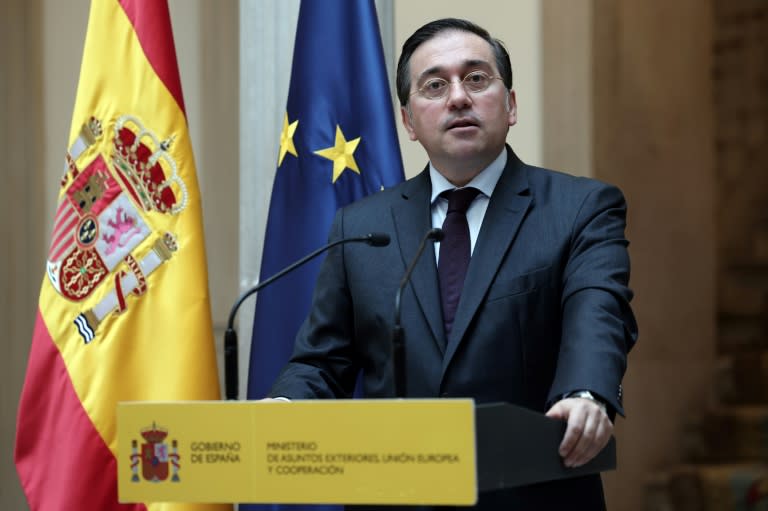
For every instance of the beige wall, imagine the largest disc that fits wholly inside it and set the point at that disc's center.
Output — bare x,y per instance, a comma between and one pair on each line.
21,214
566,85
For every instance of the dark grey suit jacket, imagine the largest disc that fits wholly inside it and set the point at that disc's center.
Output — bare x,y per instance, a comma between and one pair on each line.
544,310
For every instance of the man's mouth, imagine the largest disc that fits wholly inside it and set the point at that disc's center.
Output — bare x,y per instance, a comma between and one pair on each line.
462,123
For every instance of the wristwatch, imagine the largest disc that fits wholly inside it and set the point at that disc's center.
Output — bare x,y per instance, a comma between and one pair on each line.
585,394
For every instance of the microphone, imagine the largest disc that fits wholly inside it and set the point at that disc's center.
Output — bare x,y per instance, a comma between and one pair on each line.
231,381
398,343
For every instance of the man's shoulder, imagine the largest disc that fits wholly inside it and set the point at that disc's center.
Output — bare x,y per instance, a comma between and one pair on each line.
558,182
541,175
568,192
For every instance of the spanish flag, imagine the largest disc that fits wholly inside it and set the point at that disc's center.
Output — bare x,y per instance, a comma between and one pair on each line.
123,312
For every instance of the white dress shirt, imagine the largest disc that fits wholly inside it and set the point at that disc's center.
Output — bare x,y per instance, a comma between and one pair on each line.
485,181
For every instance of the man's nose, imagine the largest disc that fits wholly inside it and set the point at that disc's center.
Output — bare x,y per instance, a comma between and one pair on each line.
458,97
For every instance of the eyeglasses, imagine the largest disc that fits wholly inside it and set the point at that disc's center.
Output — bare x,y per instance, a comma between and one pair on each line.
474,82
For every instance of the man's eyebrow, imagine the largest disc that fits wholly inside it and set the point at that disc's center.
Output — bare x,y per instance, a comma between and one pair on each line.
434,70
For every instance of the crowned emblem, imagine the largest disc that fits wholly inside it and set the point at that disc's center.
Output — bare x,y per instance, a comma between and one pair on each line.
113,187
156,461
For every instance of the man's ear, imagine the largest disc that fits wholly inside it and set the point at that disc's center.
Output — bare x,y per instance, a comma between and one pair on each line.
405,114
511,105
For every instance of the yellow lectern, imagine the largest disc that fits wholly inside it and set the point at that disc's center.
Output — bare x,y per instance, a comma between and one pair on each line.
415,451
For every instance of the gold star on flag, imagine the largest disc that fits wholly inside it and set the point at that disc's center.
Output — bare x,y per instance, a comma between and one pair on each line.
341,154
286,139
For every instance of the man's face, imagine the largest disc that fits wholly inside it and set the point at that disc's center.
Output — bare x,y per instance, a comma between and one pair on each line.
462,131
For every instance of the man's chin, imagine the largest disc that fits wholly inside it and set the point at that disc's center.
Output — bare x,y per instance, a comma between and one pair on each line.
466,149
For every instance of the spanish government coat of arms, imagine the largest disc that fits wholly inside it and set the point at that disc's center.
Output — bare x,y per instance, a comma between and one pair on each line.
101,222
156,460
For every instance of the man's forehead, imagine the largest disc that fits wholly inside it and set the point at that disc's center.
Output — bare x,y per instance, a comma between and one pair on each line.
451,48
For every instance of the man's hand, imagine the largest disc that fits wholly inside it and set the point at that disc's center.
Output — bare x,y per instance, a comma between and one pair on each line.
588,430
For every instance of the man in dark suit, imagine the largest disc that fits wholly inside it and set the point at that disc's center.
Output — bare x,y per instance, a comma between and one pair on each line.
543,319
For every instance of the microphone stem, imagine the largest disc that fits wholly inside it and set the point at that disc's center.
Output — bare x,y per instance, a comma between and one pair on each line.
264,283
398,359
230,336
398,335
231,379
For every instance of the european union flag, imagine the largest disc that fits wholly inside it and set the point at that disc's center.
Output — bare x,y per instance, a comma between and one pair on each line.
338,144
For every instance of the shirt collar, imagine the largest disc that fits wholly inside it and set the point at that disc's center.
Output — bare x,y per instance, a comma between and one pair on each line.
485,181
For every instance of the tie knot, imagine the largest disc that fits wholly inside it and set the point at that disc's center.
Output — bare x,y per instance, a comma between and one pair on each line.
459,199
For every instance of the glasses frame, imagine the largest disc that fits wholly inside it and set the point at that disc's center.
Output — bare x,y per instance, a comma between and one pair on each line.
462,82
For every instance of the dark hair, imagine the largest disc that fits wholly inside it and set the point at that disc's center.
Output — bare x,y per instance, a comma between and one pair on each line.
429,31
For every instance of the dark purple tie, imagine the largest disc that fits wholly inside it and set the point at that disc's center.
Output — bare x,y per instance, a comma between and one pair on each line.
455,250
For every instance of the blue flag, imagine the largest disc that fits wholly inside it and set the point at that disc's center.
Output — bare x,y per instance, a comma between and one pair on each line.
338,144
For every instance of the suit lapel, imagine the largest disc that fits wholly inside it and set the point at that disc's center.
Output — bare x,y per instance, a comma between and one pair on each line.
412,218
506,210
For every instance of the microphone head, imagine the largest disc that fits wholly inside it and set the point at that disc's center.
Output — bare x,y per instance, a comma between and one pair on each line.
377,239
436,234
